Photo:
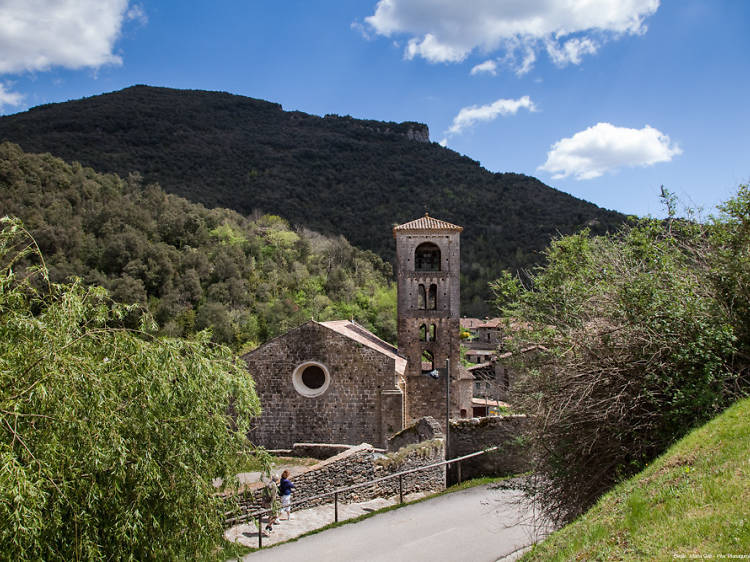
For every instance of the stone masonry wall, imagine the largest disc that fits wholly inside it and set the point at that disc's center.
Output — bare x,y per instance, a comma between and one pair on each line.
475,434
345,469
357,465
413,456
321,451
424,429
425,396
360,464
349,411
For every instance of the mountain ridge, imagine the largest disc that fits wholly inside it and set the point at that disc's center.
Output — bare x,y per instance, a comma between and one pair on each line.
334,174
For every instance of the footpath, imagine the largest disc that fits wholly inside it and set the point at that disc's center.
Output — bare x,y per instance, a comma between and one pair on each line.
306,520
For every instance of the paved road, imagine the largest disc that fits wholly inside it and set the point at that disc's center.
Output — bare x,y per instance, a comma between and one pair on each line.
484,523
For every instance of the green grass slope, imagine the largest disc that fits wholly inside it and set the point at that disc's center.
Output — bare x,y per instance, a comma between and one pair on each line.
691,503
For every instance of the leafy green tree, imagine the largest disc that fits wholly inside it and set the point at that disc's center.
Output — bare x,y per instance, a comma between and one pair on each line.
645,335
178,258
109,437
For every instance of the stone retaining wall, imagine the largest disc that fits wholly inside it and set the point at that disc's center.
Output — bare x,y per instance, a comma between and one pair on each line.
424,429
413,456
353,466
357,465
475,434
321,451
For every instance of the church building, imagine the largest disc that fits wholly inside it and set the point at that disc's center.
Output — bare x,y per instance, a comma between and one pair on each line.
336,382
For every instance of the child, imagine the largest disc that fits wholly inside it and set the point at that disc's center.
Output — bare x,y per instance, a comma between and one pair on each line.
285,489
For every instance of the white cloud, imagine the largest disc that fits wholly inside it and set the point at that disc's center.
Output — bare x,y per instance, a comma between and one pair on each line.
137,13
40,34
470,116
528,61
488,66
446,31
434,51
571,51
9,98
602,148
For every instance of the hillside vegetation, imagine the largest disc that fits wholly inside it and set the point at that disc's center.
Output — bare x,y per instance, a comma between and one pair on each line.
110,437
192,267
335,175
692,502
646,335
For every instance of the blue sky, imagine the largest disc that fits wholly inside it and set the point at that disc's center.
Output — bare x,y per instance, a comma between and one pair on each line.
604,99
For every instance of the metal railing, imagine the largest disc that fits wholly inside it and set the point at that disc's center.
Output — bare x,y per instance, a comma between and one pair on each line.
335,493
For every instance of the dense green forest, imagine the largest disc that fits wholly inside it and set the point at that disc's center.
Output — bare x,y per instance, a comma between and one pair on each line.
247,279
335,175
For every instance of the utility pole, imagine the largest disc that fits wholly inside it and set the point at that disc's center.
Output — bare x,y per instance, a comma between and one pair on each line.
447,406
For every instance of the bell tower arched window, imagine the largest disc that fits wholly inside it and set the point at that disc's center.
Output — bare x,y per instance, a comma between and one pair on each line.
421,297
427,257
423,335
428,361
432,298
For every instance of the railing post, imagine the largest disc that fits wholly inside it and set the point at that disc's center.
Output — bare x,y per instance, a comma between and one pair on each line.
458,464
336,507
401,488
260,530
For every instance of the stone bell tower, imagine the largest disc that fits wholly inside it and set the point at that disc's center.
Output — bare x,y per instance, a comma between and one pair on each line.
428,260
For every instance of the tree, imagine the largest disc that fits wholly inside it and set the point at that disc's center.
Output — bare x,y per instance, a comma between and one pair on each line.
646,338
109,437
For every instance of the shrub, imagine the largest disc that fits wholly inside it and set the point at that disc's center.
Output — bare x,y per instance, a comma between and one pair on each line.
646,337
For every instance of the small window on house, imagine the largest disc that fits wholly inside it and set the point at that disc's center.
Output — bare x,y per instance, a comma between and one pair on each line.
423,333
421,299
427,257
463,412
427,361
432,333
432,298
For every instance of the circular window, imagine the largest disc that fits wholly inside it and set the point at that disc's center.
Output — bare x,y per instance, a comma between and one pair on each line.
311,379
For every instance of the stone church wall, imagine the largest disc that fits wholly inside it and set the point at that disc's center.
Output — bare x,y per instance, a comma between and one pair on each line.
351,409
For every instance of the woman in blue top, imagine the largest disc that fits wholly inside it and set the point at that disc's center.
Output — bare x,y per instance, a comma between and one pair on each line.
285,490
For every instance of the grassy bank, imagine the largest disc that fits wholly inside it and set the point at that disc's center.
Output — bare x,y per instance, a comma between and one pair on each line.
691,503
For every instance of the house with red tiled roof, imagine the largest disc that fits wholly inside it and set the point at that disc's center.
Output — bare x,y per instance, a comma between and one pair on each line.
470,324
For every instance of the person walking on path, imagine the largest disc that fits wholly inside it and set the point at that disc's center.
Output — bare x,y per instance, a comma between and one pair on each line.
270,500
285,489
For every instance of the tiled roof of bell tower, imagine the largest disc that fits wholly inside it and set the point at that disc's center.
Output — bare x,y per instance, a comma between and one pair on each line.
427,223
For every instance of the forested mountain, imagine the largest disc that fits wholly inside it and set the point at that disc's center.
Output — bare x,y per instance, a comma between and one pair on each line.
336,175
246,278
